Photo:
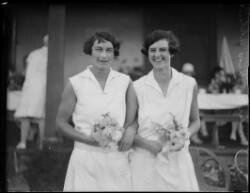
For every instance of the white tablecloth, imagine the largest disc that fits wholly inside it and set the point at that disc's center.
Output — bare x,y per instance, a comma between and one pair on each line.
205,101
221,101
13,98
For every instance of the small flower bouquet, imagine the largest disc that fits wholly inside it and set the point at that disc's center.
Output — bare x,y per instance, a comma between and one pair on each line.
107,132
172,135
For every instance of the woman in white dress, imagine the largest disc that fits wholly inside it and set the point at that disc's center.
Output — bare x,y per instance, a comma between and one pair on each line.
32,103
87,95
160,93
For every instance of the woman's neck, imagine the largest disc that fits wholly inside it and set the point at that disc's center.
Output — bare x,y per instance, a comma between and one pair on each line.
162,74
100,73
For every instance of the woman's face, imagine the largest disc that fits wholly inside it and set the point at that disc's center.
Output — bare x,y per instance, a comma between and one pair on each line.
220,76
158,54
102,54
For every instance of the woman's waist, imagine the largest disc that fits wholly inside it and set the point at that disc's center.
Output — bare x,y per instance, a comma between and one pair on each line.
83,120
91,148
146,151
87,147
83,128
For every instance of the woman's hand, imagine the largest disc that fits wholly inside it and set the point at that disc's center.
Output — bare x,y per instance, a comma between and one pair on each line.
177,147
180,144
154,147
127,139
94,139
94,142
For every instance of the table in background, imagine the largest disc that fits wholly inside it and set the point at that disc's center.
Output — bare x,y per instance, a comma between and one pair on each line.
213,108
221,108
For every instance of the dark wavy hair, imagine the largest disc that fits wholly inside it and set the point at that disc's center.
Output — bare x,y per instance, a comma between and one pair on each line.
101,36
217,69
174,44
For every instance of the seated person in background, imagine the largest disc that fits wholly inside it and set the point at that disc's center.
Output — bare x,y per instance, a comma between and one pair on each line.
15,81
226,83
188,69
232,87
221,81
218,81
238,86
230,83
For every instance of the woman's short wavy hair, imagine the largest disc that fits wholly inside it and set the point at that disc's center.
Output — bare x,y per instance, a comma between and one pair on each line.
101,36
174,44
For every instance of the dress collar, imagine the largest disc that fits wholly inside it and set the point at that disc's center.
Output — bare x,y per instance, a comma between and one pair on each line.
150,80
175,80
89,74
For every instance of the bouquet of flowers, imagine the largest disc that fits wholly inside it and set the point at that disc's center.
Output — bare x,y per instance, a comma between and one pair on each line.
172,135
107,132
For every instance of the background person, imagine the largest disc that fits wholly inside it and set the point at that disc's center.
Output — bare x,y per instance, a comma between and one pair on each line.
189,70
32,103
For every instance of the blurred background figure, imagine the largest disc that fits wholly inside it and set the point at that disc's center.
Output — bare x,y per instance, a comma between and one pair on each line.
223,82
134,72
15,81
31,108
218,83
189,70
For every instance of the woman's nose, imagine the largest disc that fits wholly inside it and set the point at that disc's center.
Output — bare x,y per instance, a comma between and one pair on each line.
103,54
157,53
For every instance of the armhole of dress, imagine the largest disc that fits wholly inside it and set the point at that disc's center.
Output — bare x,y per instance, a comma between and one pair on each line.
192,92
129,80
193,87
139,92
72,82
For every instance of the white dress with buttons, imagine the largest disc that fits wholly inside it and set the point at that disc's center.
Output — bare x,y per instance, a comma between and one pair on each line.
90,168
150,173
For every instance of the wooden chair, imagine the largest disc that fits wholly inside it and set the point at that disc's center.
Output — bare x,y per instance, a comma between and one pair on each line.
211,172
16,180
241,160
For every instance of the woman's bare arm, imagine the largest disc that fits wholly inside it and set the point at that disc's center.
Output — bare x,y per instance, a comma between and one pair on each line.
65,111
131,110
194,118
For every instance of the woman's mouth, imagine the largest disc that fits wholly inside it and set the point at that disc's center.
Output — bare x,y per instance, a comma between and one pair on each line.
103,61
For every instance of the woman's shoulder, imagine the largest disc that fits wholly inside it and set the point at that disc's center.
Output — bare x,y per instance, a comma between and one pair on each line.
78,76
38,51
140,80
121,75
83,73
120,78
188,79
139,83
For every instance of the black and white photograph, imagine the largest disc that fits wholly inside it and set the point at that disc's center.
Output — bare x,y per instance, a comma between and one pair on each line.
125,97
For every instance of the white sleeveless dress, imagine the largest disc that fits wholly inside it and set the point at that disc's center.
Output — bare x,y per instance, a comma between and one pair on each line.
150,173
32,102
91,168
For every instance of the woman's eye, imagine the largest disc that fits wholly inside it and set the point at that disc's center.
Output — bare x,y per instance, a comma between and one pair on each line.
98,49
152,50
110,50
163,49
